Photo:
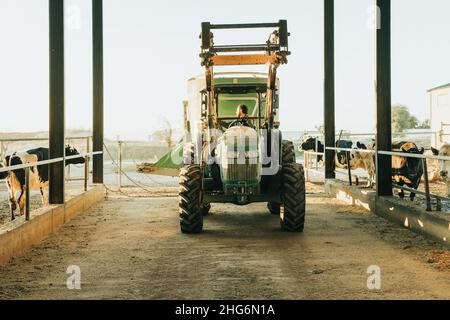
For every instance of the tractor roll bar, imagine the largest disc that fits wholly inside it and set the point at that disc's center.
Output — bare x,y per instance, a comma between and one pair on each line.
206,35
243,25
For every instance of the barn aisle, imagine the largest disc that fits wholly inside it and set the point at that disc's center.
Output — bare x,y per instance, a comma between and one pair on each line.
131,248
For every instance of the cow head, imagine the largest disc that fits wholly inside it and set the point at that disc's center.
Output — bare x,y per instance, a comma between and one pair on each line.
71,151
414,165
435,151
361,145
342,155
308,144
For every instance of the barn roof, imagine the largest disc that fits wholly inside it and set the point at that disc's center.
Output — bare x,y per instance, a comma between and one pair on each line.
440,87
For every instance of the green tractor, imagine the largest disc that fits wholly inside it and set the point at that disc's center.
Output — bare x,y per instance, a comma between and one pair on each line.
234,152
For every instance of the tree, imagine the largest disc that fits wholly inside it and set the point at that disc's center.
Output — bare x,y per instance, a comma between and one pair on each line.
164,135
168,133
320,128
425,124
402,119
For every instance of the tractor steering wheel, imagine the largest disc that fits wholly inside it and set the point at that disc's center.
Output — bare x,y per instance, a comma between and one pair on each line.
233,123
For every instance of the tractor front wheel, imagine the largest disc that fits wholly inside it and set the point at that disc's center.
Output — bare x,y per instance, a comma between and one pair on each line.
205,209
189,203
292,212
274,208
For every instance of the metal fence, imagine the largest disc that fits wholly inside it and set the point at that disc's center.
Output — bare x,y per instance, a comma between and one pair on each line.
82,144
424,138
424,158
313,168
123,158
26,167
120,164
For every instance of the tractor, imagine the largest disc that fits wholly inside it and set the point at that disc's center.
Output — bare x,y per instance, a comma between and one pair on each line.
238,157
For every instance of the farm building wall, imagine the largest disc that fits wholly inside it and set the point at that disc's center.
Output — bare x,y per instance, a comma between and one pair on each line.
440,114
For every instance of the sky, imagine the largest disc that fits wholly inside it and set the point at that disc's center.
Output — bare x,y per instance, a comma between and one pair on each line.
151,48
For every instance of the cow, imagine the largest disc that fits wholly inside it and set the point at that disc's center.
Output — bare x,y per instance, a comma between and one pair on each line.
3,175
312,144
15,180
357,159
405,170
444,165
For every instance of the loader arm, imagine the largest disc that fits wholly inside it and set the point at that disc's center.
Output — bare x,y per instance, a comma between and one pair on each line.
275,53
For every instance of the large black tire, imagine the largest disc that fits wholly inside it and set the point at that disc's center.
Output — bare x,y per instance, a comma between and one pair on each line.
189,199
274,208
292,213
288,152
205,209
287,157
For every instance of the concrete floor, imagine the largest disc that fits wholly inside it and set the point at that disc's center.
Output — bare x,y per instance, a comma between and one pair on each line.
131,248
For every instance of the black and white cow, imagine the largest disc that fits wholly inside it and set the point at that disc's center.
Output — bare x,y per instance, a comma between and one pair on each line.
15,180
312,144
405,170
341,156
3,175
444,165
357,159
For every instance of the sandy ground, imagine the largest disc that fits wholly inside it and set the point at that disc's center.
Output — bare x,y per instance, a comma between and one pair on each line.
131,248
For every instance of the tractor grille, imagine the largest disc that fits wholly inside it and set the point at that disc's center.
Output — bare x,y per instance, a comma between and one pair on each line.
241,172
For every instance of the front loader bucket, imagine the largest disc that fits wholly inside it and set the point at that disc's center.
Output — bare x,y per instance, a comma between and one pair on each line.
168,165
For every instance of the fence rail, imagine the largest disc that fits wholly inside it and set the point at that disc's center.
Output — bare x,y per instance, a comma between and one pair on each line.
436,137
39,139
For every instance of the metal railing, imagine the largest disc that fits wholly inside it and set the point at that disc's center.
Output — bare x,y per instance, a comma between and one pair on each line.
309,162
27,166
427,193
436,135
68,177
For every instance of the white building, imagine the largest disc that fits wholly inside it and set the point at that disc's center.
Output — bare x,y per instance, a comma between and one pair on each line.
439,98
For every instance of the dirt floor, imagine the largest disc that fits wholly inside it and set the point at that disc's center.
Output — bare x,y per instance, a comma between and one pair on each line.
131,248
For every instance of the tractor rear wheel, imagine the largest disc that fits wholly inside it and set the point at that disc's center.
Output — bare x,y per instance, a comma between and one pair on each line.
189,199
292,212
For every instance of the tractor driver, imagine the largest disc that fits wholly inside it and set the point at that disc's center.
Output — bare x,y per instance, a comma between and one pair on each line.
242,114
